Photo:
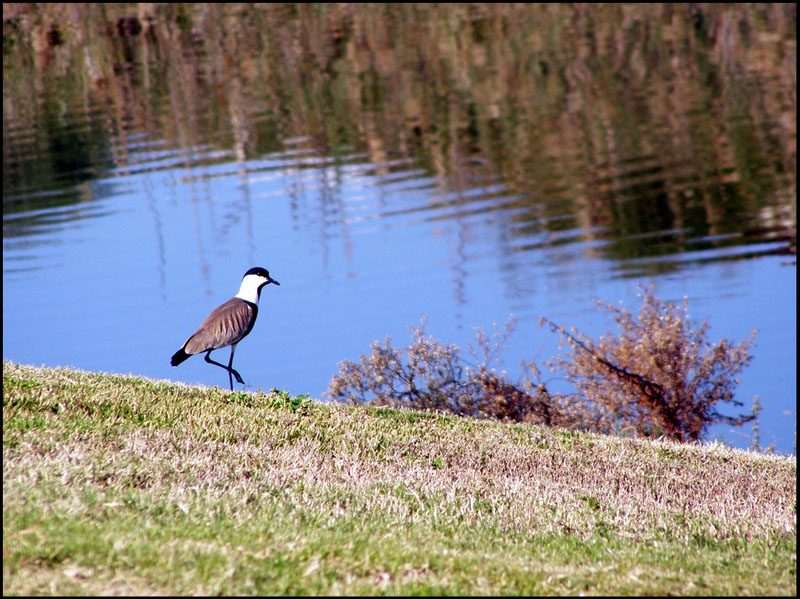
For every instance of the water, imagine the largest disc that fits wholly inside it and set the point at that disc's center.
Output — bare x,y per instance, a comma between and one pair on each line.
121,237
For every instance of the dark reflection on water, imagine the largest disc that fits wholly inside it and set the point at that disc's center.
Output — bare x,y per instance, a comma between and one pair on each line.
464,161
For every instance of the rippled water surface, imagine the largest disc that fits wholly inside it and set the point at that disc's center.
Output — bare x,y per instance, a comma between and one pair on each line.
136,197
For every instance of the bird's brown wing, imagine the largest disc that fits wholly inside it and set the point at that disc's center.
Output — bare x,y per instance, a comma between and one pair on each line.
226,325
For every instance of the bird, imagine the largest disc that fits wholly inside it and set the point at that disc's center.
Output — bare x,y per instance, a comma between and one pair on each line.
228,324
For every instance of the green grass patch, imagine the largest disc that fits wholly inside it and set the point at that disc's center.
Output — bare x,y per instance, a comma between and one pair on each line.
120,485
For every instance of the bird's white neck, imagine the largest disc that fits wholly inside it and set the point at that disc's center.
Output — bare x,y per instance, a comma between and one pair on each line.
249,289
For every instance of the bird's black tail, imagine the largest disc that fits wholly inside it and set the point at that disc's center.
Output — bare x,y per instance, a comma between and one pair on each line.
179,357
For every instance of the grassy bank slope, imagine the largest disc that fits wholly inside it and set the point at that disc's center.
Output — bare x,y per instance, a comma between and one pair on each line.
125,485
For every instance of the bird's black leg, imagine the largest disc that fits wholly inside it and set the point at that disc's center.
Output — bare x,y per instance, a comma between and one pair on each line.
228,367
232,370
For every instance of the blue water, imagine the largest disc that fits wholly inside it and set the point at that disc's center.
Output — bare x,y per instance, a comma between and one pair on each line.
123,267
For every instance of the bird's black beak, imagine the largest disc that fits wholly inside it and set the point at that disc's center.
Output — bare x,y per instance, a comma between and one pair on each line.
271,280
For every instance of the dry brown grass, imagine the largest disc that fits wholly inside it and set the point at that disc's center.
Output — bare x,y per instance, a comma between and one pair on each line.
202,491
527,478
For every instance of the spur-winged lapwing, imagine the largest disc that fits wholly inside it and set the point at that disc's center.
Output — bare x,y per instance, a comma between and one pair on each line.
228,324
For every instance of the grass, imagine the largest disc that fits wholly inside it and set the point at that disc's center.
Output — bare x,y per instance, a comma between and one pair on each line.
124,485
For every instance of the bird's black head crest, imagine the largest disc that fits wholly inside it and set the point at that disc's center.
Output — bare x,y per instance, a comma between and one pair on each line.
257,270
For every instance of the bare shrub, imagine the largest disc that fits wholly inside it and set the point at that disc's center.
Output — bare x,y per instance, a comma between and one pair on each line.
430,375
426,375
659,375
